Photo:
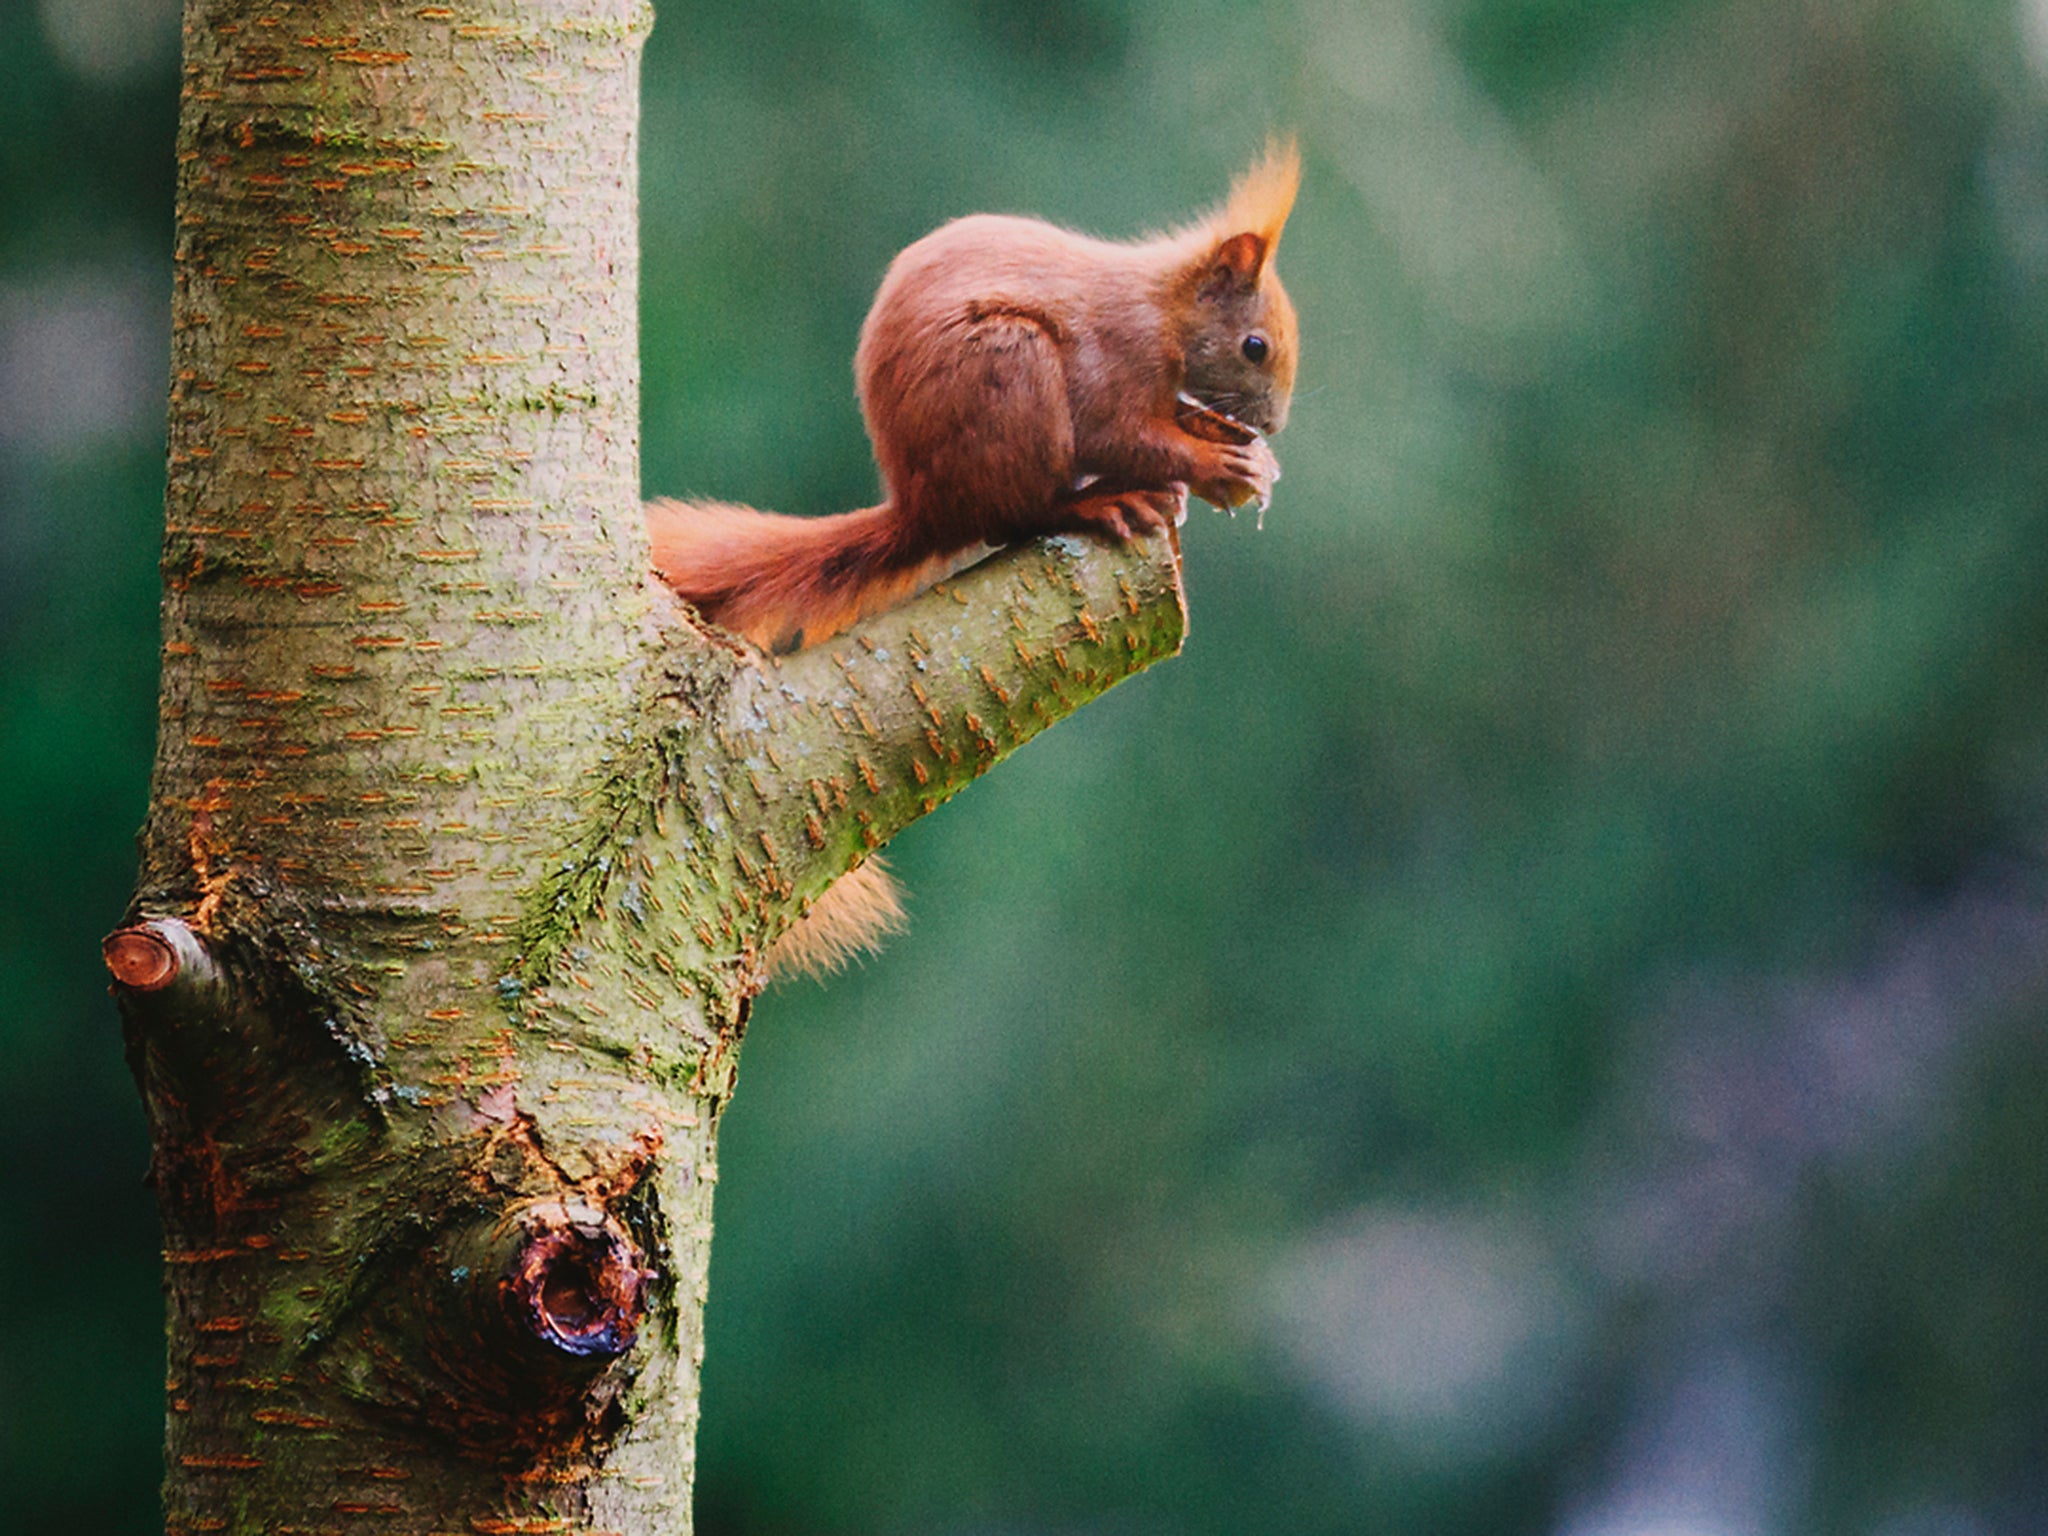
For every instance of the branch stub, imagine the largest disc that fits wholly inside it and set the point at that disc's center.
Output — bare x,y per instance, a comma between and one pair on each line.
140,958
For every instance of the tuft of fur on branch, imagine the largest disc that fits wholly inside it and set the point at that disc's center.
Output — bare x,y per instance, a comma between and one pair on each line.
857,912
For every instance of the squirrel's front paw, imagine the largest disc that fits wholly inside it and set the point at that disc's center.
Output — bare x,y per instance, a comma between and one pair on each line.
1237,473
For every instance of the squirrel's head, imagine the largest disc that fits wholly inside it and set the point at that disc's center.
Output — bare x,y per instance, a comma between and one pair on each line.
1242,342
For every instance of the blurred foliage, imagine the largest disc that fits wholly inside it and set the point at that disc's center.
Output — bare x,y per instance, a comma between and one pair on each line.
1534,1023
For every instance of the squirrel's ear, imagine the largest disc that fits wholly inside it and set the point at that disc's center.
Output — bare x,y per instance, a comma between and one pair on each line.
1234,266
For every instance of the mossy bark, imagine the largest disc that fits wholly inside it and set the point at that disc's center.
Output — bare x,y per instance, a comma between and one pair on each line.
465,840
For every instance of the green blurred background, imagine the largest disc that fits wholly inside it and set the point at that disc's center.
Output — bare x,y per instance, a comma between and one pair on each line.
1534,1024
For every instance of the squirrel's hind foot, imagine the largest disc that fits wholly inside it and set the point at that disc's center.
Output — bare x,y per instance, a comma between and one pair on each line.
1126,514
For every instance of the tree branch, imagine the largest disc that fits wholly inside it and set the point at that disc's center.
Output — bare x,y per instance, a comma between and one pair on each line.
844,745
743,786
788,773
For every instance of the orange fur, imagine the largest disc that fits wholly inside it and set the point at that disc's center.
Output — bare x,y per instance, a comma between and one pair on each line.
1261,199
857,911
784,582
1017,379
1020,379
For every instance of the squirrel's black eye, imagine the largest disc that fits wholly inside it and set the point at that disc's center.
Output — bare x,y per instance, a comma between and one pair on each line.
1256,347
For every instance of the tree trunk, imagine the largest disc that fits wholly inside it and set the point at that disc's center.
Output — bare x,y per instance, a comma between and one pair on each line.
465,840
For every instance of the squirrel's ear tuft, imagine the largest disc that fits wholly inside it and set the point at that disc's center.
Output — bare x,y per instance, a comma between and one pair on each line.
1263,196
1237,240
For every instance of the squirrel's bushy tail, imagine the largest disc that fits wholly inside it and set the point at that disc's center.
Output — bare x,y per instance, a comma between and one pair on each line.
785,582
855,913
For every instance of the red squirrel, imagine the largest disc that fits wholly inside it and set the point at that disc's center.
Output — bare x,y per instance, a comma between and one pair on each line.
1017,379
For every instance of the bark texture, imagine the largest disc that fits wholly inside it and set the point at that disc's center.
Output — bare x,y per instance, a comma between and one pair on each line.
465,841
